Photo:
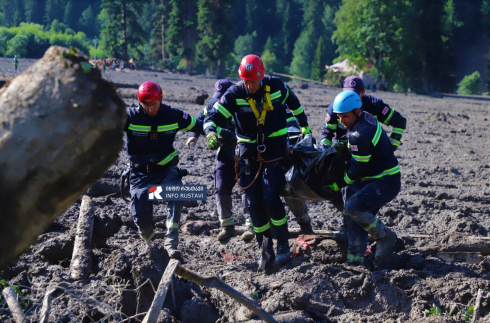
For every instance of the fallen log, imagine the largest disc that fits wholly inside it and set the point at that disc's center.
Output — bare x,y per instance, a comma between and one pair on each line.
60,130
14,306
157,304
81,261
215,282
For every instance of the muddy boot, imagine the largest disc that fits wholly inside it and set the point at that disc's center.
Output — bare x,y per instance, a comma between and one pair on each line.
249,233
384,246
306,228
266,247
147,235
170,244
341,236
227,232
283,253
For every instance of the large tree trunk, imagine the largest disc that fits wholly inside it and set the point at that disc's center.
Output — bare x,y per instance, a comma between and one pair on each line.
60,130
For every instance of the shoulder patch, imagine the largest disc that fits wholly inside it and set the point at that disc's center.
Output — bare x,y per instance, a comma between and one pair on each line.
327,118
385,110
353,147
186,115
288,111
370,119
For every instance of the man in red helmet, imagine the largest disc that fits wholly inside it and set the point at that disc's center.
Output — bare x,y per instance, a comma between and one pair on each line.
150,132
257,104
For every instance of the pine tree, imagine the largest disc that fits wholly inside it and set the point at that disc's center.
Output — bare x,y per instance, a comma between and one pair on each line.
111,33
87,22
318,64
181,34
70,16
305,45
215,32
156,50
35,11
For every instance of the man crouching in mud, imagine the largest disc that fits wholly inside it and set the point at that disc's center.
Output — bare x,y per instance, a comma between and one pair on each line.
372,180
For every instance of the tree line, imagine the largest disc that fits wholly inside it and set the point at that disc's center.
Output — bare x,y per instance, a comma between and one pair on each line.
410,45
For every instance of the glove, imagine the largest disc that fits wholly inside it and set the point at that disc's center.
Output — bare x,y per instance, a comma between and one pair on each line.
305,130
227,138
394,147
332,188
212,140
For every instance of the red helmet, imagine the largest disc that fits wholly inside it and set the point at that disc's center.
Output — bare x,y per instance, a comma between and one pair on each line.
149,92
251,68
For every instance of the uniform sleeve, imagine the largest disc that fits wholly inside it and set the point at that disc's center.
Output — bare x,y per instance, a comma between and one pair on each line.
290,99
187,122
200,118
390,117
329,127
219,113
361,149
290,118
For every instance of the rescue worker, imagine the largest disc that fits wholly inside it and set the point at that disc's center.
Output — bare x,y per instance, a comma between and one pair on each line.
372,179
225,178
150,132
257,105
333,131
16,62
224,174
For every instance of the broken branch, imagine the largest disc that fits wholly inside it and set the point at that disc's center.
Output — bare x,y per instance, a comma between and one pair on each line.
157,304
215,282
81,261
14,306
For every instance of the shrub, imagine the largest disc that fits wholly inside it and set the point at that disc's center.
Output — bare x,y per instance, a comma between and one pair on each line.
470,84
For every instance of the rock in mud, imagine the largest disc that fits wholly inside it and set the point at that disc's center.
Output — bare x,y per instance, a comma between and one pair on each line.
60,130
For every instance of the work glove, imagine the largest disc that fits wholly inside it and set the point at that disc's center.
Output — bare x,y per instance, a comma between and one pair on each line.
332,188
227,138
305,130
212,140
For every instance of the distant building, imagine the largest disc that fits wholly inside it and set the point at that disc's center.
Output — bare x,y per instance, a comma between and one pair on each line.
344,67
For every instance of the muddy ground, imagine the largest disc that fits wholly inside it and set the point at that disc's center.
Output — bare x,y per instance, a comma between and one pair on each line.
443,204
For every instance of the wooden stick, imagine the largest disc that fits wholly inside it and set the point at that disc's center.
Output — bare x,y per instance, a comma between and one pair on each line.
317,306
477,305
215,282
296,77
157,304
14,306
81,261
44,314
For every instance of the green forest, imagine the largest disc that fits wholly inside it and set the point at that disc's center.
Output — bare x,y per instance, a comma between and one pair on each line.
409,44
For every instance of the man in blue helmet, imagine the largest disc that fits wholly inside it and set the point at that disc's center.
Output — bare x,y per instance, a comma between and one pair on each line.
333,131
371,181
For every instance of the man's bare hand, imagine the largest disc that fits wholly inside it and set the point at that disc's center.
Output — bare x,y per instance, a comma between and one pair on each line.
191,142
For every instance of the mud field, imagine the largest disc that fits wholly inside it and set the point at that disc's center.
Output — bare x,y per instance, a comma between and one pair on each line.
443,206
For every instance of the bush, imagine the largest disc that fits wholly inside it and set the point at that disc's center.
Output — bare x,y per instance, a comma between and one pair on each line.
470,84
336,78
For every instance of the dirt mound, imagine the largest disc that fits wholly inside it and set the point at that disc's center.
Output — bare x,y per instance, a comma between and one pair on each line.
437,263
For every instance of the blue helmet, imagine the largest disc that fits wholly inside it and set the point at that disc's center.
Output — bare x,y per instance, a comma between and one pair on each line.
346,101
